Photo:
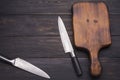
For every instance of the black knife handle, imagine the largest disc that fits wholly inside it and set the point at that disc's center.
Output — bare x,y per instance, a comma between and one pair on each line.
76,66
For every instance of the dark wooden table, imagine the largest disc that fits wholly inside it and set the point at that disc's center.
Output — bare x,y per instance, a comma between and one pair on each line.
28,29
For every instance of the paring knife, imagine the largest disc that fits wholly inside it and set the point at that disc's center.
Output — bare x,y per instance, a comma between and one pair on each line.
68,46
22,64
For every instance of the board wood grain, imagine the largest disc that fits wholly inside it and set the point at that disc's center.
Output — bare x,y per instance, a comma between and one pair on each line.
91,30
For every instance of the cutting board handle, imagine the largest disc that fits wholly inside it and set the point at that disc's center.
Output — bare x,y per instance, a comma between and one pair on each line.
95,63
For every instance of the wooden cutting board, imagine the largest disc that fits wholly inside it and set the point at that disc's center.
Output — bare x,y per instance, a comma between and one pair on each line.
91,30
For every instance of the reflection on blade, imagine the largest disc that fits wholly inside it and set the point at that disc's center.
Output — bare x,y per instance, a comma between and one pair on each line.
64,37
22,64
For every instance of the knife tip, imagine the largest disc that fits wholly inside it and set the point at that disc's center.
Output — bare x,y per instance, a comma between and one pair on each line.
59,17
48,77
45,75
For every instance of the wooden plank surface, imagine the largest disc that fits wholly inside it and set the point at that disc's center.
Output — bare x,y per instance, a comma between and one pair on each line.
28,29
43,25
48,6
51,47
61,69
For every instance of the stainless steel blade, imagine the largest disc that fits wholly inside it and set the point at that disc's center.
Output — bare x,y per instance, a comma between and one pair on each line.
22,64
64,37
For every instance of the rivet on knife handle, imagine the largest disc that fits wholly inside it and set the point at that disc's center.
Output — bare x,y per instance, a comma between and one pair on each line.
68,46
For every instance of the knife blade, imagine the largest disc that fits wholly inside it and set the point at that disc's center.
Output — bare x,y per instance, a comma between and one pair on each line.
68,46
22,64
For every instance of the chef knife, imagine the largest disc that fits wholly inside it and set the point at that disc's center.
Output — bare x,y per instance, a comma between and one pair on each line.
22,64
68,46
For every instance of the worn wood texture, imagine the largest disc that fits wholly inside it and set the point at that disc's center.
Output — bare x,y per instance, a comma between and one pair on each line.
37,25
91,30
47,6
48,46
28,29
61,69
